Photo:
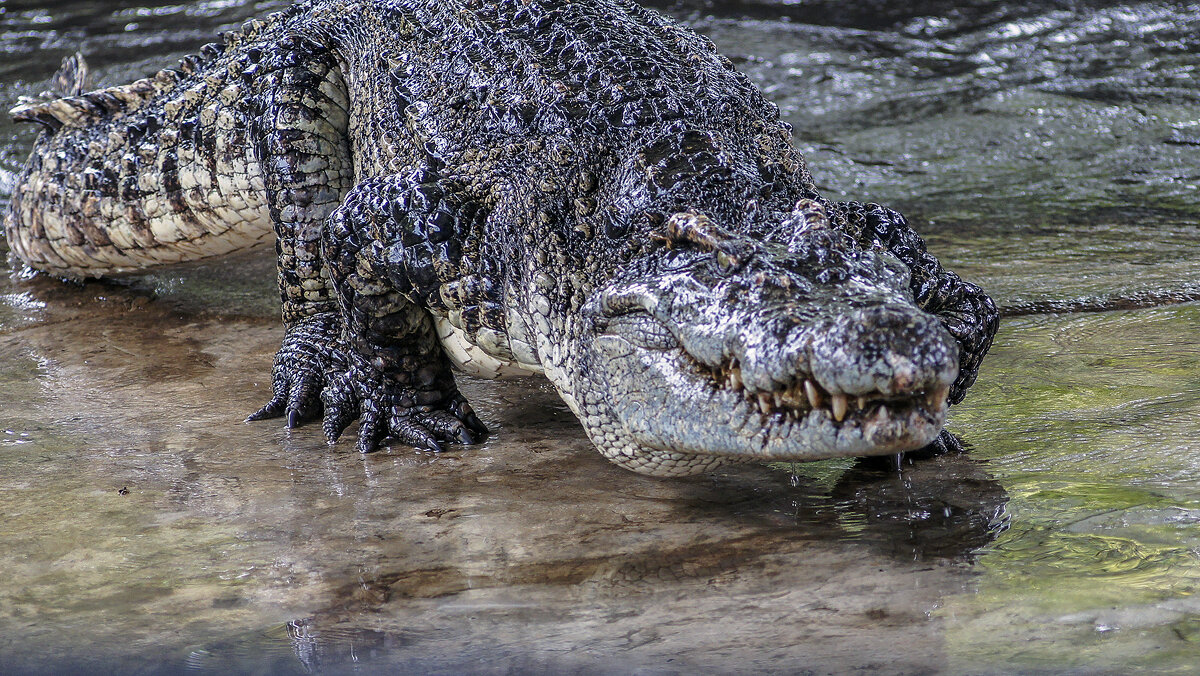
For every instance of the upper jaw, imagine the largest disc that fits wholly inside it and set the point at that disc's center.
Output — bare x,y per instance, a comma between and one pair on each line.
807,394
810,413
748,369
809,372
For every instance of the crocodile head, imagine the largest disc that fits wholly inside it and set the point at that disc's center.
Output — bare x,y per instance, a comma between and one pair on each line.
715,347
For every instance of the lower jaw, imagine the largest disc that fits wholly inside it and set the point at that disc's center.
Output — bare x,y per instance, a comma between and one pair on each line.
813,436
659,463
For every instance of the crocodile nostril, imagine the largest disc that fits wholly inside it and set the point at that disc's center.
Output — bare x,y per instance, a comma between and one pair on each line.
905,373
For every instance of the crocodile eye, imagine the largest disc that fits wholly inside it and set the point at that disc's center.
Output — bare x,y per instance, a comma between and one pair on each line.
726,261
895,268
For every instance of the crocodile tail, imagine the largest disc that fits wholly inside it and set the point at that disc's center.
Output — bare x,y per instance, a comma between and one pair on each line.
80,110
72,78
76,107
69,104
49,110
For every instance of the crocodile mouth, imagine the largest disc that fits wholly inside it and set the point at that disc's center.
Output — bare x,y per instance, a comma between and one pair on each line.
806,396
697,408
794,401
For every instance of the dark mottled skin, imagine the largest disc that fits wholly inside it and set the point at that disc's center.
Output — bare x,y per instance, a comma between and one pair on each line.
579,188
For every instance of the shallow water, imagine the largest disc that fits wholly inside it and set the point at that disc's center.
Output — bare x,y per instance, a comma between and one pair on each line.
1049,155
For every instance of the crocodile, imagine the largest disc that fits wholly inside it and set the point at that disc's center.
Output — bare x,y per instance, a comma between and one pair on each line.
582,189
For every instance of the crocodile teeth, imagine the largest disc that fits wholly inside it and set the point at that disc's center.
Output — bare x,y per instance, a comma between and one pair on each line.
807,397
840,404
813,394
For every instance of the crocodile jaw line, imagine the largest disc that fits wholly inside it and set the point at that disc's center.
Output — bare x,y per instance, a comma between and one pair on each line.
804,421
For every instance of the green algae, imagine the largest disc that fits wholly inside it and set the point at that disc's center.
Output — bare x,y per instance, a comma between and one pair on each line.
1089,421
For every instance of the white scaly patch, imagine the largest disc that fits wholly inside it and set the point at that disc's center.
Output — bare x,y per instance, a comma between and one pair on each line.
472,359
553,367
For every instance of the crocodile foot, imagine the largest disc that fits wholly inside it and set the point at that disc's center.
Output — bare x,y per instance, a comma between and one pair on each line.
423,417
308,351
947,443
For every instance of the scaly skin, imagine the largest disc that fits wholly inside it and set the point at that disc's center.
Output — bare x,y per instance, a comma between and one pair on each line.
580,189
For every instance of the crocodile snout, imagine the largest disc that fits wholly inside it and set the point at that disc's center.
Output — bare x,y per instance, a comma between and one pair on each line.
885,350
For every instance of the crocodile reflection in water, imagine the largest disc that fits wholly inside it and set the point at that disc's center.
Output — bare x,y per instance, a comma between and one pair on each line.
937,510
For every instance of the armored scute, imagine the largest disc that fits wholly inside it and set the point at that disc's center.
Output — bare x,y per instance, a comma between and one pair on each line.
580,189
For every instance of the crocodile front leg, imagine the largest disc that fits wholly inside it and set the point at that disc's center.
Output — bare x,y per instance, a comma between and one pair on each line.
383,248
300,129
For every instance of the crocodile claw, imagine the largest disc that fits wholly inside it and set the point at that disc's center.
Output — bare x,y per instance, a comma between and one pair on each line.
308,351
368,431
946,443
340,407
273,409
359,392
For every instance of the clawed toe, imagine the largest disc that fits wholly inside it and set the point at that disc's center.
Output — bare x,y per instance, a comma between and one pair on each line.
273,409
309,349
424,430
427,430
409,429
315,377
